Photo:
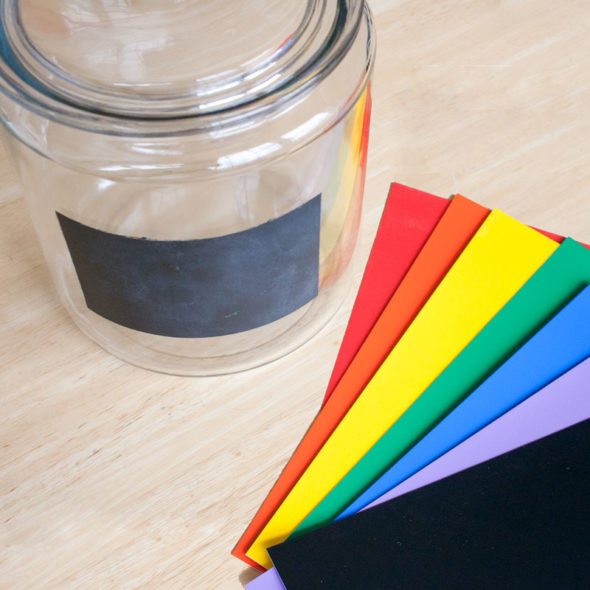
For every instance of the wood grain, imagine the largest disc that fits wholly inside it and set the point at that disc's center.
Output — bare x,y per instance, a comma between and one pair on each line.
115,477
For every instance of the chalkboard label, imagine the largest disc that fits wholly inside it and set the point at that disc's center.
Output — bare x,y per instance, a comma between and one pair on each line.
199,288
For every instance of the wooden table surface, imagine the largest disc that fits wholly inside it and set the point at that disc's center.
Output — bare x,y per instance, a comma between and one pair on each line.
115,477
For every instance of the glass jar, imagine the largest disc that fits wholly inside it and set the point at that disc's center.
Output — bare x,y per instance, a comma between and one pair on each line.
194,169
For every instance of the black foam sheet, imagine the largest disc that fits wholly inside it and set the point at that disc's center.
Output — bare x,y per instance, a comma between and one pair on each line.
520,520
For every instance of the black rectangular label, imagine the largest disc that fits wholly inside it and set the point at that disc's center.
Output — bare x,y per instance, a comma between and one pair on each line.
204,287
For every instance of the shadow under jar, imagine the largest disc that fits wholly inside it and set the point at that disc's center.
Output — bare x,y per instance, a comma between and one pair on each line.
194,170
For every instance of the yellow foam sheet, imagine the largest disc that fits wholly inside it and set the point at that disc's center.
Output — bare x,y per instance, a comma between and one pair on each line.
498,260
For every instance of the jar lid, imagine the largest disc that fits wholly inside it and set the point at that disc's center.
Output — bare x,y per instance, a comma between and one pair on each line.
144,59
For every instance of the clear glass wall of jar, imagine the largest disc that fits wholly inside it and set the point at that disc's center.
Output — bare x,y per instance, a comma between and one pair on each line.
194,171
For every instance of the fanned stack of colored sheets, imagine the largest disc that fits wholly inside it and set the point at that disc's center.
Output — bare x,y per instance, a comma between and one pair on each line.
458,412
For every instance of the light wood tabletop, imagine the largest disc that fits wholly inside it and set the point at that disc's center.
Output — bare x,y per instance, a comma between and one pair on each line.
116,477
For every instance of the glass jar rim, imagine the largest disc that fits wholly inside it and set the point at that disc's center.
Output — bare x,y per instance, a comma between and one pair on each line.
19,85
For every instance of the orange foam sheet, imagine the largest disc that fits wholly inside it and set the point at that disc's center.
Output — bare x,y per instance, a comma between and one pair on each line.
460,221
